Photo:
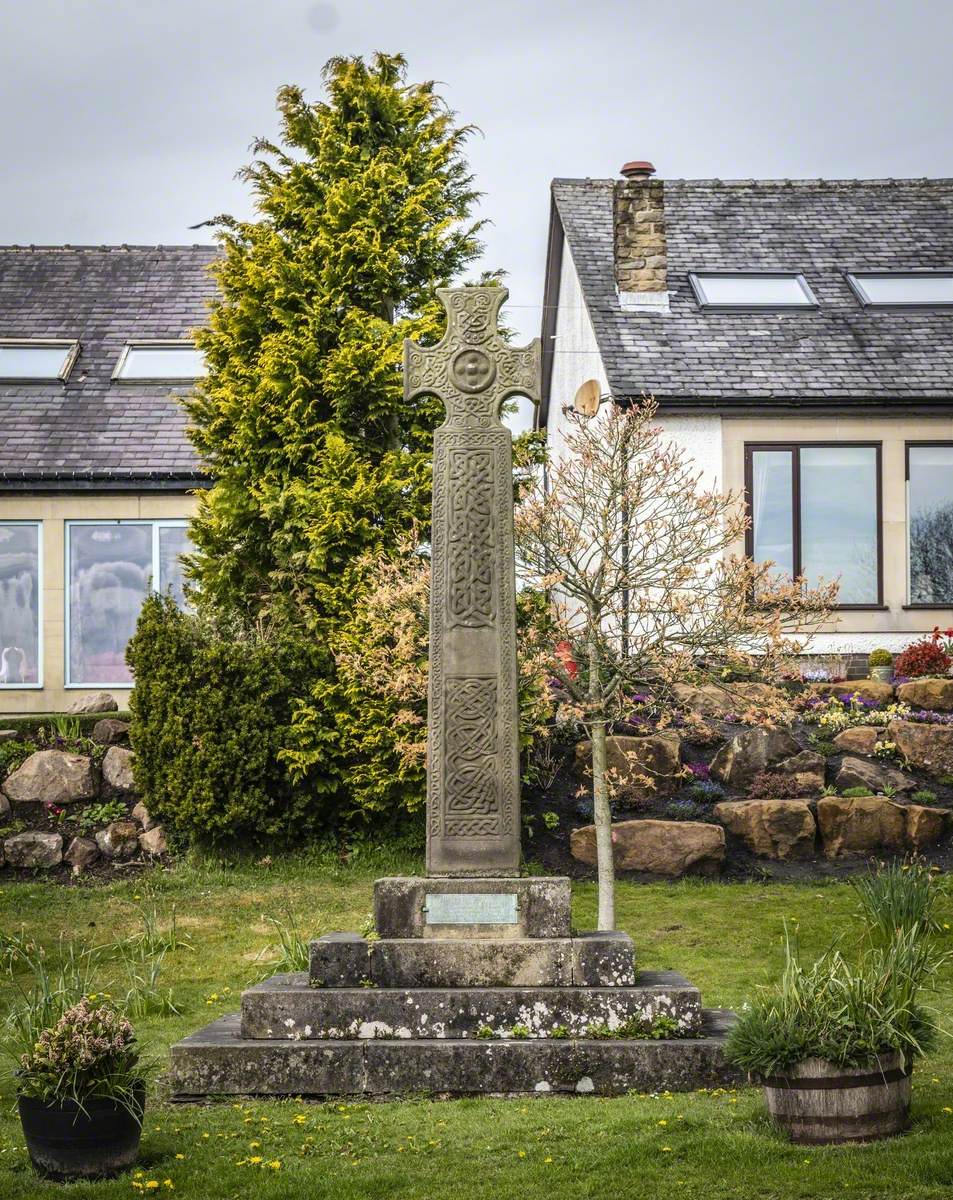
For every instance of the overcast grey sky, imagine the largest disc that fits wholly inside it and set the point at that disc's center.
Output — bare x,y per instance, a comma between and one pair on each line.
125,120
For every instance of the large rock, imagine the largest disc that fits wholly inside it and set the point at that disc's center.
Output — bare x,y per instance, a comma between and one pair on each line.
925,825
859,739
53,777
936,694
95,703
81,853
110,732
153,841
141,814
658,757
874,690
730,699
4,806
671,848
781,829
750,752
806,769
118,779
34,849
120,839
861,772
927,747
872,825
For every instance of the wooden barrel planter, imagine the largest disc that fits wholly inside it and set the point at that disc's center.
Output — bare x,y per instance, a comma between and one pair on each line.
818,1103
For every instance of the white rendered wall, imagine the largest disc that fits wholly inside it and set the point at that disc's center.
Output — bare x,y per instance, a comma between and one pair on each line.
576,356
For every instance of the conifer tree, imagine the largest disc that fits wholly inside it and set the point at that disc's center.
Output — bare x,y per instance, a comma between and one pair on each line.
362,210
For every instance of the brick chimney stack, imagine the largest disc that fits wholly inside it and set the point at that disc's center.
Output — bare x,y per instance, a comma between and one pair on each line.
639,212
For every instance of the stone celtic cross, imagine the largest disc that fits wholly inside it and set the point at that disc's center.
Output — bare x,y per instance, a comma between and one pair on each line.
473,821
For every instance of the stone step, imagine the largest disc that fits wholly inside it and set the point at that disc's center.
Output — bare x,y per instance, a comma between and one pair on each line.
216,1061
604,959
286,1007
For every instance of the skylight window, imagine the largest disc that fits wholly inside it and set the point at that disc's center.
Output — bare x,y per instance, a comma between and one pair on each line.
906,289
36,359
160,361
737,289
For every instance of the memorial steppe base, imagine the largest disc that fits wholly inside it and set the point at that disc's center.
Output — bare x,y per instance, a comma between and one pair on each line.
518,1006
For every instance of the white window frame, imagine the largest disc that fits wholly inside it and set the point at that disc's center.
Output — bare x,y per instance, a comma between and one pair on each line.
156,523
855,281
154,344
70,345
20,687
697,281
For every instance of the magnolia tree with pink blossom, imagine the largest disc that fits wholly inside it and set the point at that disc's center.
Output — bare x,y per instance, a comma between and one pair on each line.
647,590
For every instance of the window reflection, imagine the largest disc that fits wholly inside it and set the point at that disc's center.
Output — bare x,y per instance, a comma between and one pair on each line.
839,519
19,604
930,524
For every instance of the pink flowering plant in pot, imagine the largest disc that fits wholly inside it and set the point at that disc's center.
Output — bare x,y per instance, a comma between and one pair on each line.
80,1091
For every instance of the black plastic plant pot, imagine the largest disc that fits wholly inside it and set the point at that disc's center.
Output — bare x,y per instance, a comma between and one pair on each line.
95,1141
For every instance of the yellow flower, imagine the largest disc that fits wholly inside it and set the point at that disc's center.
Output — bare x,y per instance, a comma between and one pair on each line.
205,1135
138,1174
152,1183
168,1183
254,1145
522,1153
275,1164
547,1160
663,1122
299,1119
180,1157
947,1109
666,1149
256,1158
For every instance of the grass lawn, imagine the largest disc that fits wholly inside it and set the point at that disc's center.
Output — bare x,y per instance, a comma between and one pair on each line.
725,937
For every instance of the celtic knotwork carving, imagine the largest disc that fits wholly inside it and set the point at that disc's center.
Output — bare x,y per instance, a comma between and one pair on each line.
470,541
471,785
426,369
473,314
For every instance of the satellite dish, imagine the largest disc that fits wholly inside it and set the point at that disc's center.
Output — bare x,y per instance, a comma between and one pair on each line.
586,400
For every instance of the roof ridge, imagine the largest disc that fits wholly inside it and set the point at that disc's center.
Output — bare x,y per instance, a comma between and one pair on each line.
918,180
118,246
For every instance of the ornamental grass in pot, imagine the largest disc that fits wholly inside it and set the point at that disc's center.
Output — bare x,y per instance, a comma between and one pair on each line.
834,1043
80,1093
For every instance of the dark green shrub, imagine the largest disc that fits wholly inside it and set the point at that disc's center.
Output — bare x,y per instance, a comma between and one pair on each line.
880,658
14,755
924,796
211,712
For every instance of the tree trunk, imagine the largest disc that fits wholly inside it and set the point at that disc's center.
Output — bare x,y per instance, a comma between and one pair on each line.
602,814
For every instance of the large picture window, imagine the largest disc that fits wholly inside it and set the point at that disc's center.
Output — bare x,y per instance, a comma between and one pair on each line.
20,604
815,512
111,568
930,524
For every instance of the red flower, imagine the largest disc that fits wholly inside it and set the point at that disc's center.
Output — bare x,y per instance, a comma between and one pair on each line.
569,664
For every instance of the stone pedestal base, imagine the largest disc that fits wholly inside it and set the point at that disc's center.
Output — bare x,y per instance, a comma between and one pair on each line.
495,909
514,1005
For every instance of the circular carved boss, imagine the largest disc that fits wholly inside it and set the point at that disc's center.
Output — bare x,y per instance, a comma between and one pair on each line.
472,371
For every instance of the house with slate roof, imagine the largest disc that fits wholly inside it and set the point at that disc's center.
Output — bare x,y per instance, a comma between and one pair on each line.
798,337
97,475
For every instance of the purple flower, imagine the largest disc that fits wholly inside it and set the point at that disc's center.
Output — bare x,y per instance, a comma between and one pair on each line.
700,770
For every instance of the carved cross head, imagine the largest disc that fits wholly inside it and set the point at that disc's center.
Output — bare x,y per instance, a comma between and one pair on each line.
472,369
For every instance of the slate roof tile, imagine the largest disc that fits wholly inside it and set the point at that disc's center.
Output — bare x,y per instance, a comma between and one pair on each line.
91,427
822,228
